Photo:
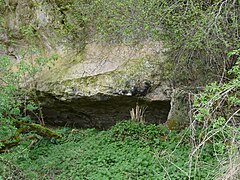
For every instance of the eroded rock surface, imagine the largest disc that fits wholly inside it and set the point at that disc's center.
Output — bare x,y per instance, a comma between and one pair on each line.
93,83
100,86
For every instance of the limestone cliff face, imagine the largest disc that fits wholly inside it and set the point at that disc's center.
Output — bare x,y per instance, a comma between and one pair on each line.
30,25
103,83
92,86
109,69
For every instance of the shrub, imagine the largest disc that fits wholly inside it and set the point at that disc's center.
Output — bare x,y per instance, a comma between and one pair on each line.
17,99
217,114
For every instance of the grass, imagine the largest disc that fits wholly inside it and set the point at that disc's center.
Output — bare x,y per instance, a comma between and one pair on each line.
129,150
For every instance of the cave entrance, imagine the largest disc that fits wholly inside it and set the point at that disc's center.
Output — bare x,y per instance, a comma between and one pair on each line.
101,112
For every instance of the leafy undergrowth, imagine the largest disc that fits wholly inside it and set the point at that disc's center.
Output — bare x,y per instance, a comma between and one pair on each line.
128,150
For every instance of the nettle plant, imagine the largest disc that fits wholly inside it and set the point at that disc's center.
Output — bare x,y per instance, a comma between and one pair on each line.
16,98
217,113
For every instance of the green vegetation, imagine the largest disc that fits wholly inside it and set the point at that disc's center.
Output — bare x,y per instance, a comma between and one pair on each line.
216,112
197,35
17,102
128,150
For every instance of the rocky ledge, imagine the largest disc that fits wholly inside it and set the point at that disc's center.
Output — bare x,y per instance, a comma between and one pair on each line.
100,86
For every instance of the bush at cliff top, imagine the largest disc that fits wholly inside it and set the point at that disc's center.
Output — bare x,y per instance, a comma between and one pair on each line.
198,34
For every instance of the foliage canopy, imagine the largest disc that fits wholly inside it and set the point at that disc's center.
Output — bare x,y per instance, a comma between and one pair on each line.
197,34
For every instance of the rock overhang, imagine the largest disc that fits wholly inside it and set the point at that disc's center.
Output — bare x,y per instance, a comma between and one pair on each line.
106,93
